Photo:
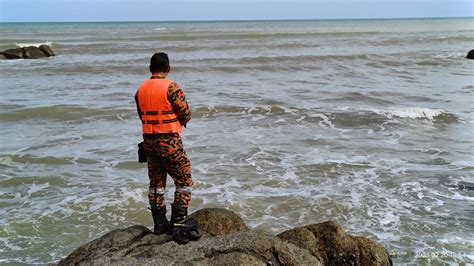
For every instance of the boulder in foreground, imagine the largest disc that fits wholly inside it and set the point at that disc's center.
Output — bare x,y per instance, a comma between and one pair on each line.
226,240
333,246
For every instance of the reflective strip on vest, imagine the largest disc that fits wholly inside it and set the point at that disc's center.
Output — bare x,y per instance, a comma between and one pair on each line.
154,122
156,112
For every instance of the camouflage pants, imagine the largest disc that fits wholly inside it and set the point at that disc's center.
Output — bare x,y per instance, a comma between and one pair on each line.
166,155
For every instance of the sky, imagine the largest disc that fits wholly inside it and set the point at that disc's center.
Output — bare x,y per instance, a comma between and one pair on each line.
189,10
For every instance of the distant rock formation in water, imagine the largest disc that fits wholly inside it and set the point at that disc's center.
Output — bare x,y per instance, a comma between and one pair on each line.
226,240
470,54
463,185
30,52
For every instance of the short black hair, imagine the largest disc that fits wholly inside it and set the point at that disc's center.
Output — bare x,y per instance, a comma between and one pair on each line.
159,63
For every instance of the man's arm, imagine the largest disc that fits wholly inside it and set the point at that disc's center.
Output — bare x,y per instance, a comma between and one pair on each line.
180,105
138,106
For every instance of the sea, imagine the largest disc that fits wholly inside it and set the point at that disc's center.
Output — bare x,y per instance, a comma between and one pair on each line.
368,123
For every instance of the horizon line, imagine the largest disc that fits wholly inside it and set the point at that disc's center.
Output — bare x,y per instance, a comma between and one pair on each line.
240,20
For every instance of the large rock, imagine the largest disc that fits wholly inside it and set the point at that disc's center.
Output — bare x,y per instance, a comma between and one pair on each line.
16,53
113,241
137,246
317,244
333,246
470,54
31,52
46,50
218,222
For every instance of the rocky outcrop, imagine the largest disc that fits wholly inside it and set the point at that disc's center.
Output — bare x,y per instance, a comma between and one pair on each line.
222,244
217,222
46,50
30,52
333,246
470,54
16,53
463,185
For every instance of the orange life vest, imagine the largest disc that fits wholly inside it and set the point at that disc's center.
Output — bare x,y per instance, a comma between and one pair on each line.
156,112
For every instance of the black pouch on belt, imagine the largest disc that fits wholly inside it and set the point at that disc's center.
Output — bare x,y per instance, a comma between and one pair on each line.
141,153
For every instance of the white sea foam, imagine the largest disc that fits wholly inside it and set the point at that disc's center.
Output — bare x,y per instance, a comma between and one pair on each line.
326,122
37,44
137,195
290,175
389,217
450,55
159,29
36,187
411,112
7,161
9,245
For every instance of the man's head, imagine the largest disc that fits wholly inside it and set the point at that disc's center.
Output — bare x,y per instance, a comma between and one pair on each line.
159,63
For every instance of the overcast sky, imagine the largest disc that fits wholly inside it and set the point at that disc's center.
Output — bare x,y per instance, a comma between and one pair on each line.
156,10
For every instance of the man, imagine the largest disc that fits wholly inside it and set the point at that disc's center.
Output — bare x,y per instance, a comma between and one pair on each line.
163,110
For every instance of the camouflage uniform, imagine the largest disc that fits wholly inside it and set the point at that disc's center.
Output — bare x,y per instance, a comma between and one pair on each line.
166,155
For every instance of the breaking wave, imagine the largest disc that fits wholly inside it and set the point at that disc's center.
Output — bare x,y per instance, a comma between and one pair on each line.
418,113
37,44
73,113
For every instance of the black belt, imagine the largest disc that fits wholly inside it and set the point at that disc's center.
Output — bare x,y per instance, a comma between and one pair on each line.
160,135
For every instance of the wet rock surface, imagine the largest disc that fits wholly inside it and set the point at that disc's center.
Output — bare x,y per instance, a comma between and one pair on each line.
227,240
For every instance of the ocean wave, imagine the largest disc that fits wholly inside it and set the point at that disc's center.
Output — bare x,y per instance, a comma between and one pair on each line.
37,44
418,113
193,47
62,113
16,160
347,117
237,110
159,29
191,68
289,59
358,97
415,40
451,55
193,36
28,158
350,120
67,113
265,63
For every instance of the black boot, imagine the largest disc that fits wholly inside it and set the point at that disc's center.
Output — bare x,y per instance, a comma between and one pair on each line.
160,221
182,228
